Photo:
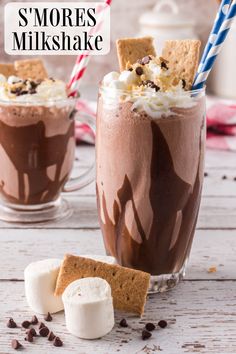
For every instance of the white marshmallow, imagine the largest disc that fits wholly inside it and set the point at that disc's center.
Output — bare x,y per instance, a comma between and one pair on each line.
2,78
13,79
128,77
110,77
118,85
100,258
89,308
40,282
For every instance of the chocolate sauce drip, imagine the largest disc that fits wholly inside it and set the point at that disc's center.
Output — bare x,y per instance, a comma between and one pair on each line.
32,152
175,206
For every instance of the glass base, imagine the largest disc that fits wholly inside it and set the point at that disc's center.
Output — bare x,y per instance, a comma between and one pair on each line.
32,214
165,282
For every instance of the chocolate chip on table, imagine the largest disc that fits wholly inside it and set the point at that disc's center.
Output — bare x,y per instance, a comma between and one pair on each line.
32,332
15,344
139,71
205,174
123,323
224,177
34,320
146,334
162,324
41,325
44,331
150,327
51,336
11,323
29,337
57,342
25,324
234,178
48,317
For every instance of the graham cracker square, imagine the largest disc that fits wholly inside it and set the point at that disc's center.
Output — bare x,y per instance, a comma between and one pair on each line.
31,69
183,58
7,70
129,287
129,50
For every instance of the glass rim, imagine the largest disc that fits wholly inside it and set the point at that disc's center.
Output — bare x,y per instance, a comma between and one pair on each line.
39,102
147,93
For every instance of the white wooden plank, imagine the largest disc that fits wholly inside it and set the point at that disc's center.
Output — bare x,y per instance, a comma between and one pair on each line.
200,316
211,248
215,213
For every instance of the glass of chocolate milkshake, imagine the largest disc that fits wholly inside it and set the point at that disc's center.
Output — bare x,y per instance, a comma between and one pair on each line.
37,150
150,157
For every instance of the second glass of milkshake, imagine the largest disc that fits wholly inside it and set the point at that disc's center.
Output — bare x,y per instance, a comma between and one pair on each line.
150,158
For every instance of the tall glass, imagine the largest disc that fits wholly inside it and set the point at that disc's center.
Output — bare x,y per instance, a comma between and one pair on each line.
149,182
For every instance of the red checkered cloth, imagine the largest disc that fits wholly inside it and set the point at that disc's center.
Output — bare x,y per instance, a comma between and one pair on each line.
83,133
221,125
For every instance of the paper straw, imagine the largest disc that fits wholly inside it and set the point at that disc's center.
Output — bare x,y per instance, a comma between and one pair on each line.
83,59
216,47
222,12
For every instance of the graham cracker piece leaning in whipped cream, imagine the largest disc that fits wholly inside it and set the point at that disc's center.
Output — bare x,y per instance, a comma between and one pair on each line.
129,287
129,50
183,58
30,69
7,69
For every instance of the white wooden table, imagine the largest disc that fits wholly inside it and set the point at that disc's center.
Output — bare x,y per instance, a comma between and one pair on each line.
201,311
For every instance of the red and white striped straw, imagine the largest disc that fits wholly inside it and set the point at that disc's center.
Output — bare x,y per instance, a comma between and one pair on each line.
83,59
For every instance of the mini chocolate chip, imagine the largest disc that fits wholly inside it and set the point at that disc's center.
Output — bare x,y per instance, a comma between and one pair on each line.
34,320
51,336
130,69
150,327
11,323
224,177
52,79
32,332
164,66
43,332
57,342
123,323
146,60
41,325
162,324
15,344
139,71
234,178
48,317
25,324
32,91
29,337
23,92
183,83
146,334
205,174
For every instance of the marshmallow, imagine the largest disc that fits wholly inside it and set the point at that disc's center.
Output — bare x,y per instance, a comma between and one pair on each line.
110,77
2,78
89,308
13,80
100,258
40,281
128,77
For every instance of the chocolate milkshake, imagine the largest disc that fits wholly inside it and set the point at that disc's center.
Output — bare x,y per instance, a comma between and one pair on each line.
36,140
150,157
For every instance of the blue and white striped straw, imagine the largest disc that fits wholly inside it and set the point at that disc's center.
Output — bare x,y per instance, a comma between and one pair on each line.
222,12
215,49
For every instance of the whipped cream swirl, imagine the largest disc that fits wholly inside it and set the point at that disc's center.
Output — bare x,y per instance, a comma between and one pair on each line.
151,87
16,90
